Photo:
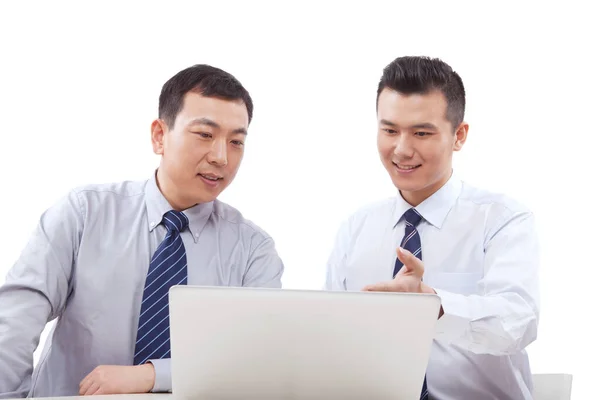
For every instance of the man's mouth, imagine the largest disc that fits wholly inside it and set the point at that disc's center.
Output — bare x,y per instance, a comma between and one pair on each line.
405,167
211,177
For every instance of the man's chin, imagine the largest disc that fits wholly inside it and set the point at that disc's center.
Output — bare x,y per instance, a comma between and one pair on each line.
206,197
406,186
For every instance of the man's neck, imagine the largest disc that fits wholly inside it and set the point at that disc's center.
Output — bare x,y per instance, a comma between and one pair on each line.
167,188
417,197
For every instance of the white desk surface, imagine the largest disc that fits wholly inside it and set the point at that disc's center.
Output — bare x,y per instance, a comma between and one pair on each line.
152,396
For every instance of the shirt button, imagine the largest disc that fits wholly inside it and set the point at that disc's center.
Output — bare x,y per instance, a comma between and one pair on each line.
197,235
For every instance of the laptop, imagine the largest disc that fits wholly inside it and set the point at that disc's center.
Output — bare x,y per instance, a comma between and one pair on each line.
254,343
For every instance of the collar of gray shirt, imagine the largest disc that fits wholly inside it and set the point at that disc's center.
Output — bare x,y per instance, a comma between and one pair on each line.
157,205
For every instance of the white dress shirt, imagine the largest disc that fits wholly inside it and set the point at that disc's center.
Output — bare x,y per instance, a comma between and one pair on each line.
480,254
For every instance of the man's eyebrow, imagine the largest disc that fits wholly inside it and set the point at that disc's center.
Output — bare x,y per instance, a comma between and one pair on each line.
241,131
425,125
204,121
386,122
213,124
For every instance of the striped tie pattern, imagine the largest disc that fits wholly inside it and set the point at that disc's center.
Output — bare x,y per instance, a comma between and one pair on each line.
411,240
412,243
168,267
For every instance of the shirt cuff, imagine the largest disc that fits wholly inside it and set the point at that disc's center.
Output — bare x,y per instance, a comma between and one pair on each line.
452,325
162,375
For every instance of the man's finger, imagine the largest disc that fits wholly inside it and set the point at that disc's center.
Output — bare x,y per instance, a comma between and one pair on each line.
411,263
93,388
379,287
401,271
100,390
85,385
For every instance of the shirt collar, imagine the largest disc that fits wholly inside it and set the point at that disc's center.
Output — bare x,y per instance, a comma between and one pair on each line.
436,207
157,205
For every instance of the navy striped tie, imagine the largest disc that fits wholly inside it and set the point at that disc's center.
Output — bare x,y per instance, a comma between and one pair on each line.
168,267
412,243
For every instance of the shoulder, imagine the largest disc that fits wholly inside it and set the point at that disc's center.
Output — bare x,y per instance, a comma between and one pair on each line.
482,197
121,189
74,208
374,208
112,196
371,213
494,203
498,211
232,217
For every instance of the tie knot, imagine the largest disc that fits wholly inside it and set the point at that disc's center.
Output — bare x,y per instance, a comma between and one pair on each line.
412,217
175,220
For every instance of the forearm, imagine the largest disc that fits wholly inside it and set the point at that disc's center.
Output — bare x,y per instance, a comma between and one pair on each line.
35,292
23,316
501,315
496,325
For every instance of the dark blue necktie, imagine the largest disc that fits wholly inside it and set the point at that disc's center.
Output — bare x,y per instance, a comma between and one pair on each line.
412,243
168,267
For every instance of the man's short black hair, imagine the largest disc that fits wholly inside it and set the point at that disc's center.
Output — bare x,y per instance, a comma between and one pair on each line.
412,75
205,80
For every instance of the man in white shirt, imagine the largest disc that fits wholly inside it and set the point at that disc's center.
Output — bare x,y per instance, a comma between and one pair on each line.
477,250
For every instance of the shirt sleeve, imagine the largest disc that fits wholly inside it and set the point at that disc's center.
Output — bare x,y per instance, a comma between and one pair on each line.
265,267
36,291
162,378
502,317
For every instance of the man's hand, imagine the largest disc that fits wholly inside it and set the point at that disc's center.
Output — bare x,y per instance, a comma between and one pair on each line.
408,280
116,379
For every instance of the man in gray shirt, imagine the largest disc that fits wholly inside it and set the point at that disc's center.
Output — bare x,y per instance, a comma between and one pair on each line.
102,259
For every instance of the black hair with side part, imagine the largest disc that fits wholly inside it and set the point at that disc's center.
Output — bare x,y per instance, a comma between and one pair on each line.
205,80
421,75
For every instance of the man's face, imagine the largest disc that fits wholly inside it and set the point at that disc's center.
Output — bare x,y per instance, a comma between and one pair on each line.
202,151
416,141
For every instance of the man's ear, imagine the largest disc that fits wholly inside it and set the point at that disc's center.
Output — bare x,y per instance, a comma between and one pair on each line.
158,131
460,137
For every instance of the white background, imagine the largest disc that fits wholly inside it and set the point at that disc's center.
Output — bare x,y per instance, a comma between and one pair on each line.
79,85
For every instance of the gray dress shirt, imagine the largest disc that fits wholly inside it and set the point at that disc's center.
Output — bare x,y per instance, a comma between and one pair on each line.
86,265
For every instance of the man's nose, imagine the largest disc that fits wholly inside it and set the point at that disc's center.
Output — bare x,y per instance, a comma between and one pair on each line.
218,153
